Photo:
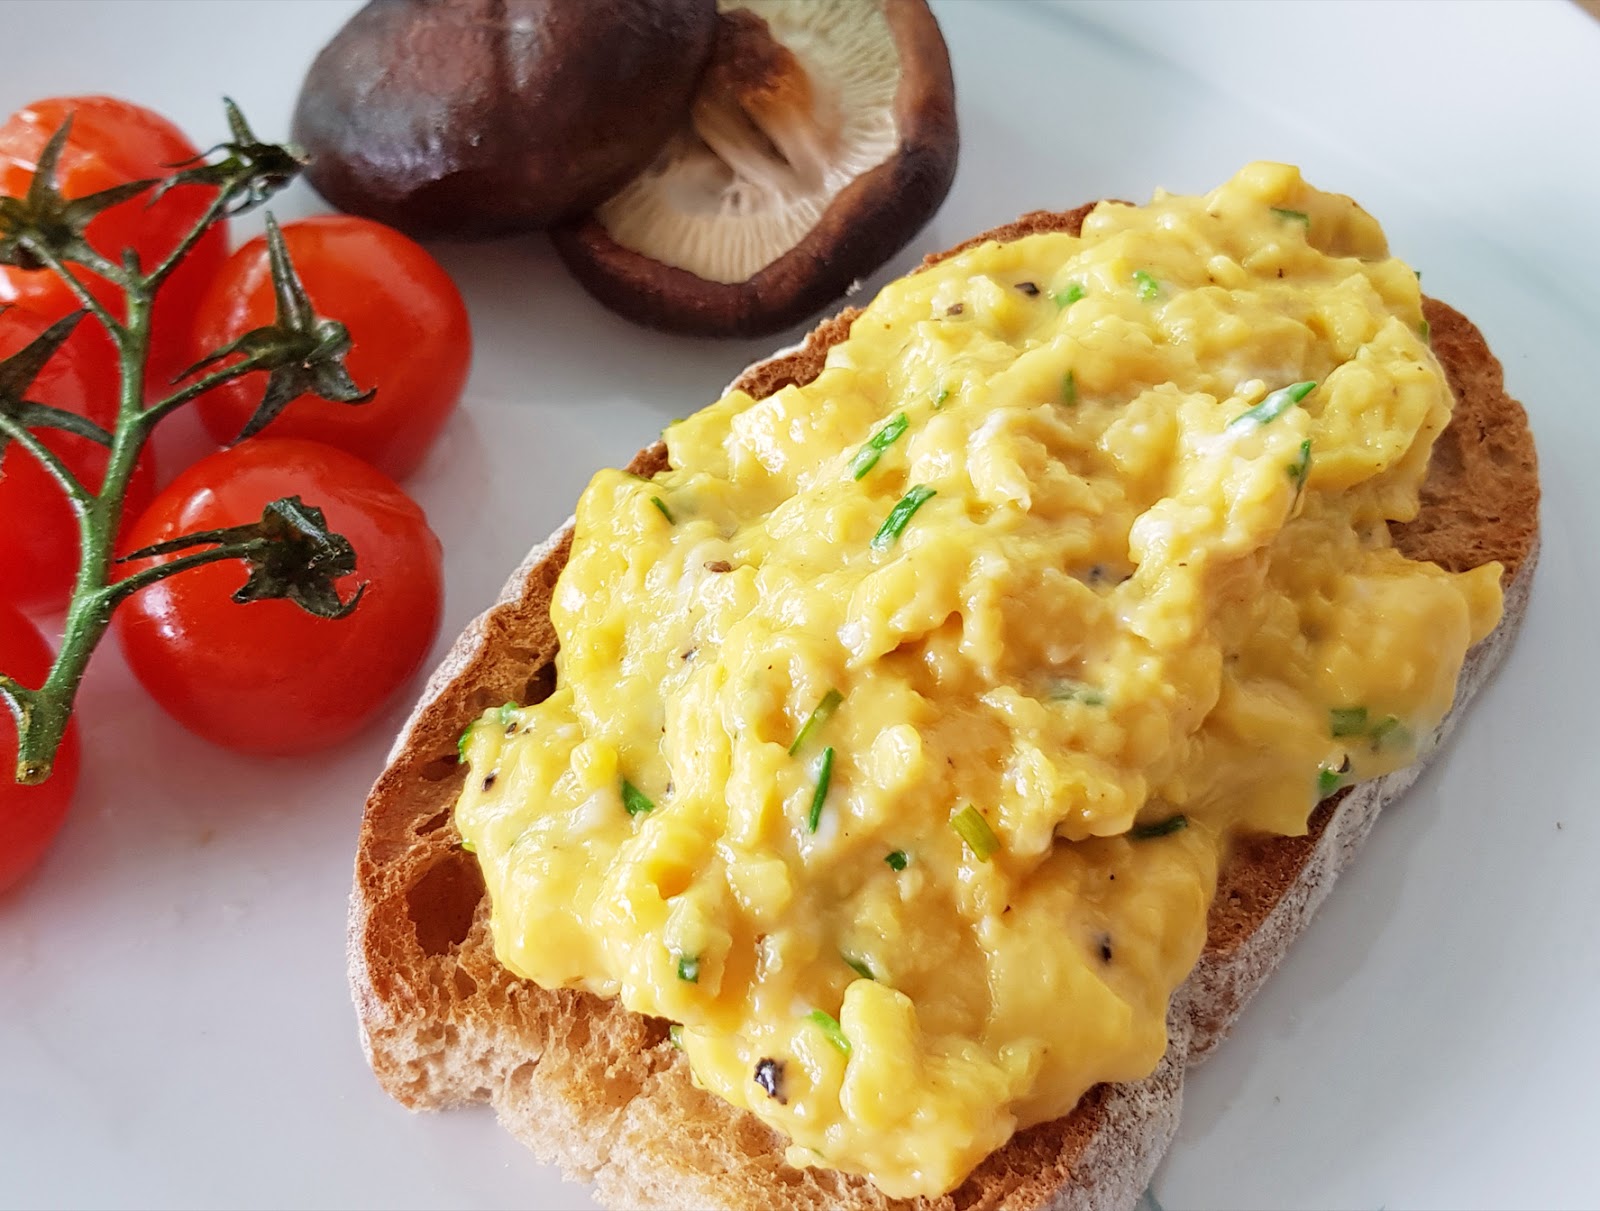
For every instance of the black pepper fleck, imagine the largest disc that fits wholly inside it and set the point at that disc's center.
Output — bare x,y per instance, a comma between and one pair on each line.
1105,945
955,309
769,1075
489,781
1028,288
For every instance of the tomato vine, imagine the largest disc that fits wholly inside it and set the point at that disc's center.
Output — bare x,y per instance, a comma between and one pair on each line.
290,552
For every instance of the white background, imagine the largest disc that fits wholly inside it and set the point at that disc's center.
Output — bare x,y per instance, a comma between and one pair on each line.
174,1023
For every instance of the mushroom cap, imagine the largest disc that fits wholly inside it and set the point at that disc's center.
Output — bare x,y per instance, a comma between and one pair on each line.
822,137
482,117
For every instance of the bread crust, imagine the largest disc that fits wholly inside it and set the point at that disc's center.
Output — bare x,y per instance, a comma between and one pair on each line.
601,1092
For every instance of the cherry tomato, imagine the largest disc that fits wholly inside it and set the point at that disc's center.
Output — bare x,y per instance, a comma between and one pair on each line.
408,330
267,677
39,548
113,142
30,816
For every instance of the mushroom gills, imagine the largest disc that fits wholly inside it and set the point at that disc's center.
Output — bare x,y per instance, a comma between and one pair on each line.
797,102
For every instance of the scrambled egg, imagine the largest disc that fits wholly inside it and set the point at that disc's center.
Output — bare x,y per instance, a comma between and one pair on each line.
902,724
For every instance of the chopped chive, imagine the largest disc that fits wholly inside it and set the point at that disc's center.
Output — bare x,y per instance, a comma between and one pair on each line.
508,713
975,831
824,776
1425,330
1274,406
462,742
635,800
1347,721
829,1025
867,457
665,512
1161,828
938,400
1301,467
469,847
1069,388
860,967
1065,298
900,515
1148,287
1296,216
1067,690
824,710
675,1034
689,968
1389,730
896,859
1328,781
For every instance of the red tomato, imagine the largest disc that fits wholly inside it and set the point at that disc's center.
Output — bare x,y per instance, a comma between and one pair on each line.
39,547
113,142
408,330
30,816
267,677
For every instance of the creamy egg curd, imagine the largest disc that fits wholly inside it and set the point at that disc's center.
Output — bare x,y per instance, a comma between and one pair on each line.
902,724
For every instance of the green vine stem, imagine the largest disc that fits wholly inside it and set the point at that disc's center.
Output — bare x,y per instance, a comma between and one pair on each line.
46,457
290,552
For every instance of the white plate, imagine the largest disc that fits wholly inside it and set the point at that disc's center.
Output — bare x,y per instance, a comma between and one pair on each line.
174,1025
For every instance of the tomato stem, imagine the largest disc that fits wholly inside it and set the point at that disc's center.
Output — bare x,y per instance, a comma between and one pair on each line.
82,293
156,412
218,209
46,457
89,612
145,577
19,698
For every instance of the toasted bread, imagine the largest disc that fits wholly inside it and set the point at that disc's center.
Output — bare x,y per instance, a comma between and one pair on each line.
601,1091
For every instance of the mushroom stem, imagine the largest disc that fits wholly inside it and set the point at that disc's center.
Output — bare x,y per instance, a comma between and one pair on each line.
756,109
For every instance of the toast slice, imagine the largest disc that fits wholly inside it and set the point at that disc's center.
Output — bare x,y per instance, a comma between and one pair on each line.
601,1091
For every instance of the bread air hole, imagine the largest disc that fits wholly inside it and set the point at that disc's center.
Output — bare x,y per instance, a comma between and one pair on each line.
437,770
442,903
541,685
482,699
432,824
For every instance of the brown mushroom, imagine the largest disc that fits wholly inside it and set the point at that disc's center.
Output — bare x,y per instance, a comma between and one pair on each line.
480,117
821,138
